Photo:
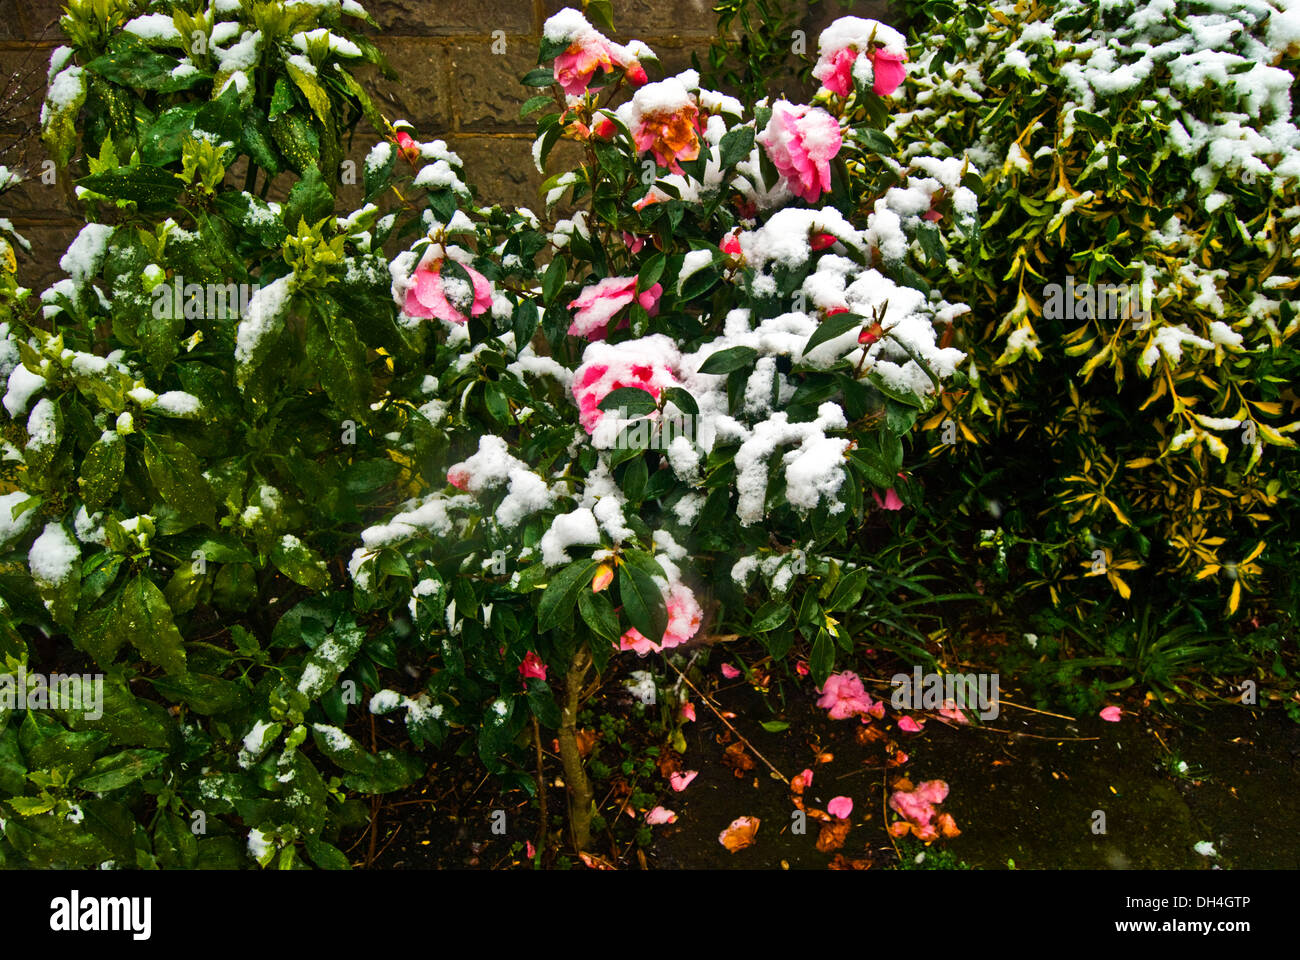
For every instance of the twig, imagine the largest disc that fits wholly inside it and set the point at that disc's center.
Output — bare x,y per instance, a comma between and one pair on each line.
1045,713
709,703
884,812
541,786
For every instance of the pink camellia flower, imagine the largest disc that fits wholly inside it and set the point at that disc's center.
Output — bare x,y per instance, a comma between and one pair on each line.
730,672
801,141
730,245
458,477
597,305
891,501
917,805
681,780
430,296
684,619
633,242
909,725
688,711
845,697
665,120
1111,714
835,70
532,666
603,128
801,668
887,71
849,38
587,53
840,807
660,815
645,364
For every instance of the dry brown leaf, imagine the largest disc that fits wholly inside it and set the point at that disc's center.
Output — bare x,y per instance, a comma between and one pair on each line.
740,833
841,862
736,758
833,835
596,862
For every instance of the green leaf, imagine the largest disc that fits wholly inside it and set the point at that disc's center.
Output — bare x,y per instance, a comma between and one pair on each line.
831,328
725,361
650,272
774,726
876,142
175,471
101,472
539,77
553,279
822,659
634,401
561,592
116,771
339,356
299,563
541,701
736,145
331,658
147,621
310,200
642,602
770,616
682,399
598,613
151,188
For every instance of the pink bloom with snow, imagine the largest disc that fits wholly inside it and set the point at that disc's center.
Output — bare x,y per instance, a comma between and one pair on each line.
684,618
597,305
835,70
801,141
428,294
730,245
1111,714
840,807
681,780
888,71
575,67
845,697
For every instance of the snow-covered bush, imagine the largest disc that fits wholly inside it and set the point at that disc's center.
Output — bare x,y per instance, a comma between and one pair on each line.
682,395
1132,342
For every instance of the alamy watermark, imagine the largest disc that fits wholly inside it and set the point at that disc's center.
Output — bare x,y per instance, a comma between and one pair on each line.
1096,301
977,692
201,301
82,692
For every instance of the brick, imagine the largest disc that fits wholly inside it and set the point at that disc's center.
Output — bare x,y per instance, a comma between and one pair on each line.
654,19
485,90
22,86
40,19
454,18
501,168
49,240
420,93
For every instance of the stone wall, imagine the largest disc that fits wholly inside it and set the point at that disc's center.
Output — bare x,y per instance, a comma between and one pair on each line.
458,81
